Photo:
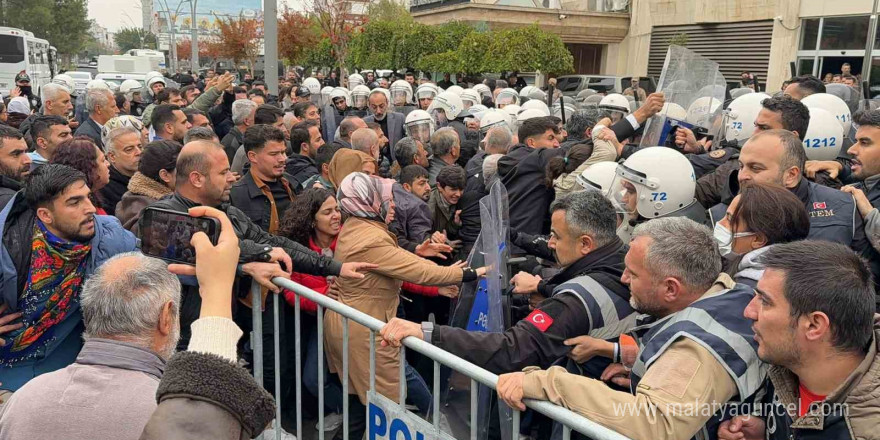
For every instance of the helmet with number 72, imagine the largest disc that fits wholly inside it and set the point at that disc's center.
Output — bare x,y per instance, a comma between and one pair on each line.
655,182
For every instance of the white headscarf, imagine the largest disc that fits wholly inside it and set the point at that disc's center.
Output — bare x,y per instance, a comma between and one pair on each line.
19,105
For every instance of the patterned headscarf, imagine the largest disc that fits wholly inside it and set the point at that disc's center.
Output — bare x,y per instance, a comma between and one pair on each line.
365,196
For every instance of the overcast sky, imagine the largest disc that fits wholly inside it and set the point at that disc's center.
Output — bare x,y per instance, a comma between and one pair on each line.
114,14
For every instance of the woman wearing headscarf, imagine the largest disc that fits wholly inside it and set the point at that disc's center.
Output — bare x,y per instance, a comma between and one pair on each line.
368,202
18,110
347,161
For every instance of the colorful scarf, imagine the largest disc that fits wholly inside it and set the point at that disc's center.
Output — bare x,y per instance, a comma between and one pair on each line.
54,283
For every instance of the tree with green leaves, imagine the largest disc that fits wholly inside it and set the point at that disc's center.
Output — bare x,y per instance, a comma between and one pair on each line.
134,38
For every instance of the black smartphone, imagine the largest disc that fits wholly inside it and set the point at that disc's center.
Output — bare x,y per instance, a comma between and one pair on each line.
166,234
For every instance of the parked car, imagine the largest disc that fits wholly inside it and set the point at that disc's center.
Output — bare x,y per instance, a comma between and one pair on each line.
571,85
80,79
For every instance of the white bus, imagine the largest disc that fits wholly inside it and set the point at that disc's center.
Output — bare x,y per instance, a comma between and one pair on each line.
20,50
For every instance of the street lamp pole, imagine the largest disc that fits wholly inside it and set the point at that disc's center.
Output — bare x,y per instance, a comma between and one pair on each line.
194,37
270,44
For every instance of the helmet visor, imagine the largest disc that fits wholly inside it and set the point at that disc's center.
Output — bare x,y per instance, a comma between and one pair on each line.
420,130
359,101
426,93
399,98
439,116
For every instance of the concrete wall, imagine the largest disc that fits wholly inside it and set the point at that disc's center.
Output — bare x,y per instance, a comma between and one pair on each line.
630,56
824,8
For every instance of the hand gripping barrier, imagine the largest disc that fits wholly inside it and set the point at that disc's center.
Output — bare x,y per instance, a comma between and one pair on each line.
568,419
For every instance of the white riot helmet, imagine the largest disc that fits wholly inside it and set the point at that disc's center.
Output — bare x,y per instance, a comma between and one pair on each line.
528,114
824,136
836,106
401,93
66,81
354,80
673,111
655,182
601,177
426,91
741,115
340,92
532,92
325,93
97,84
570,109
470,98
507,97
534,104
152,78
130,87
584,94
700,111
512,111
445,107
360,95
419,125
615,104
493,118
477,109
455,89
314,87
483,90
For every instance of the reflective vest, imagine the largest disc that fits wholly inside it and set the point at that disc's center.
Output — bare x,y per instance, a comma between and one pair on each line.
715,322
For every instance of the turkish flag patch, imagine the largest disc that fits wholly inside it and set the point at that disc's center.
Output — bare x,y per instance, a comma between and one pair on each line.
540,320
819,205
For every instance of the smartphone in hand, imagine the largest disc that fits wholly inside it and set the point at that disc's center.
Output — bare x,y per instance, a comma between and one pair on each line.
167,234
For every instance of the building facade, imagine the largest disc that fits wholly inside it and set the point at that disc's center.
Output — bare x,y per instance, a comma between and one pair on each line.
772,39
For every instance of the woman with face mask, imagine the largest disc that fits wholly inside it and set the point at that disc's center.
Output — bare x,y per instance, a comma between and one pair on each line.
760,216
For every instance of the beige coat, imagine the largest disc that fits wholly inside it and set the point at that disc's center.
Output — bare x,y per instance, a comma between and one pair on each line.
376,295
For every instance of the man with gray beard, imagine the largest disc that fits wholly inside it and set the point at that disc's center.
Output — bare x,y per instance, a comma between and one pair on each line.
130,310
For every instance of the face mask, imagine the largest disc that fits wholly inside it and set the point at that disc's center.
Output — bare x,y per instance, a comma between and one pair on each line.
724,238
25,90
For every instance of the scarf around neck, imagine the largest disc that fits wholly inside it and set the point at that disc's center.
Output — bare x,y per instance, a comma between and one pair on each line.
53,286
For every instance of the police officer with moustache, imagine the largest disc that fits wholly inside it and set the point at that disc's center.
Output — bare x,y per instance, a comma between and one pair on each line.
777,156
697,355
589,299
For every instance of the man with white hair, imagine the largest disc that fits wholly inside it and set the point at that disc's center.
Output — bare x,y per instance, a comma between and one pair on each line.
130,308
101,105
56,102
243,113
124,148
366,141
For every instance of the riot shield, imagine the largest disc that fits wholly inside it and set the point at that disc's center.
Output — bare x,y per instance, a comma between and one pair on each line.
848,94
692,85
864,105
480,304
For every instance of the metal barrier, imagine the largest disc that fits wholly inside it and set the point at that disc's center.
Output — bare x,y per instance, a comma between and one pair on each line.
569,420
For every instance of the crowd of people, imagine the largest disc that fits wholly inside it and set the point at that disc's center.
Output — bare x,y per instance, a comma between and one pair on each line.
711,287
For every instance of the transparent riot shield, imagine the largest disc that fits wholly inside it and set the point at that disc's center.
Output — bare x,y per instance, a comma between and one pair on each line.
863,105
848,94
694,89
480,304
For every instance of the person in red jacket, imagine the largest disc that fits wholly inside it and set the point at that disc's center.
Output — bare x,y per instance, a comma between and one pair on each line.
314,220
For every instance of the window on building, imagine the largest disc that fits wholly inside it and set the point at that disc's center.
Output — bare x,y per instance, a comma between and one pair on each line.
810,34
805,66
844,33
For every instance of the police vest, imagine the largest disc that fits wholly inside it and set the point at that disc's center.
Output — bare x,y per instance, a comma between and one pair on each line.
832,214
608,314
716,323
